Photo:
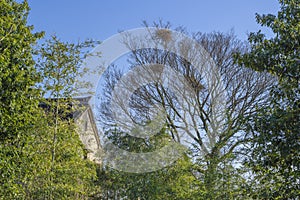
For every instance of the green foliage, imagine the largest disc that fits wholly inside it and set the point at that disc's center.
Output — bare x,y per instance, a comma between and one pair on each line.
59,64
18,95
173,182
184,179
276,159
17,73
41,155
68,175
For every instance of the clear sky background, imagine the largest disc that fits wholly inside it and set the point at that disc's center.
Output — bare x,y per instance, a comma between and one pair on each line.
98,19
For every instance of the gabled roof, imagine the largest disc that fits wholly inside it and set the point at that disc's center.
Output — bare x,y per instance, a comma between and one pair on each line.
83,103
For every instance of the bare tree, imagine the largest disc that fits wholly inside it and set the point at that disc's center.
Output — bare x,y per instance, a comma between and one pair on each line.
205,96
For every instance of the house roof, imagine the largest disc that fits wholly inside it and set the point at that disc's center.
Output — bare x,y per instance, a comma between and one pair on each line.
82,104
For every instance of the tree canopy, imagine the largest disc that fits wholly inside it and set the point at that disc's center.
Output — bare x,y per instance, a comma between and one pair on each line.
275,159
240,128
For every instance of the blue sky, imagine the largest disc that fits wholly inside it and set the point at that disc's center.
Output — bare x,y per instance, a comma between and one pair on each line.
98,19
